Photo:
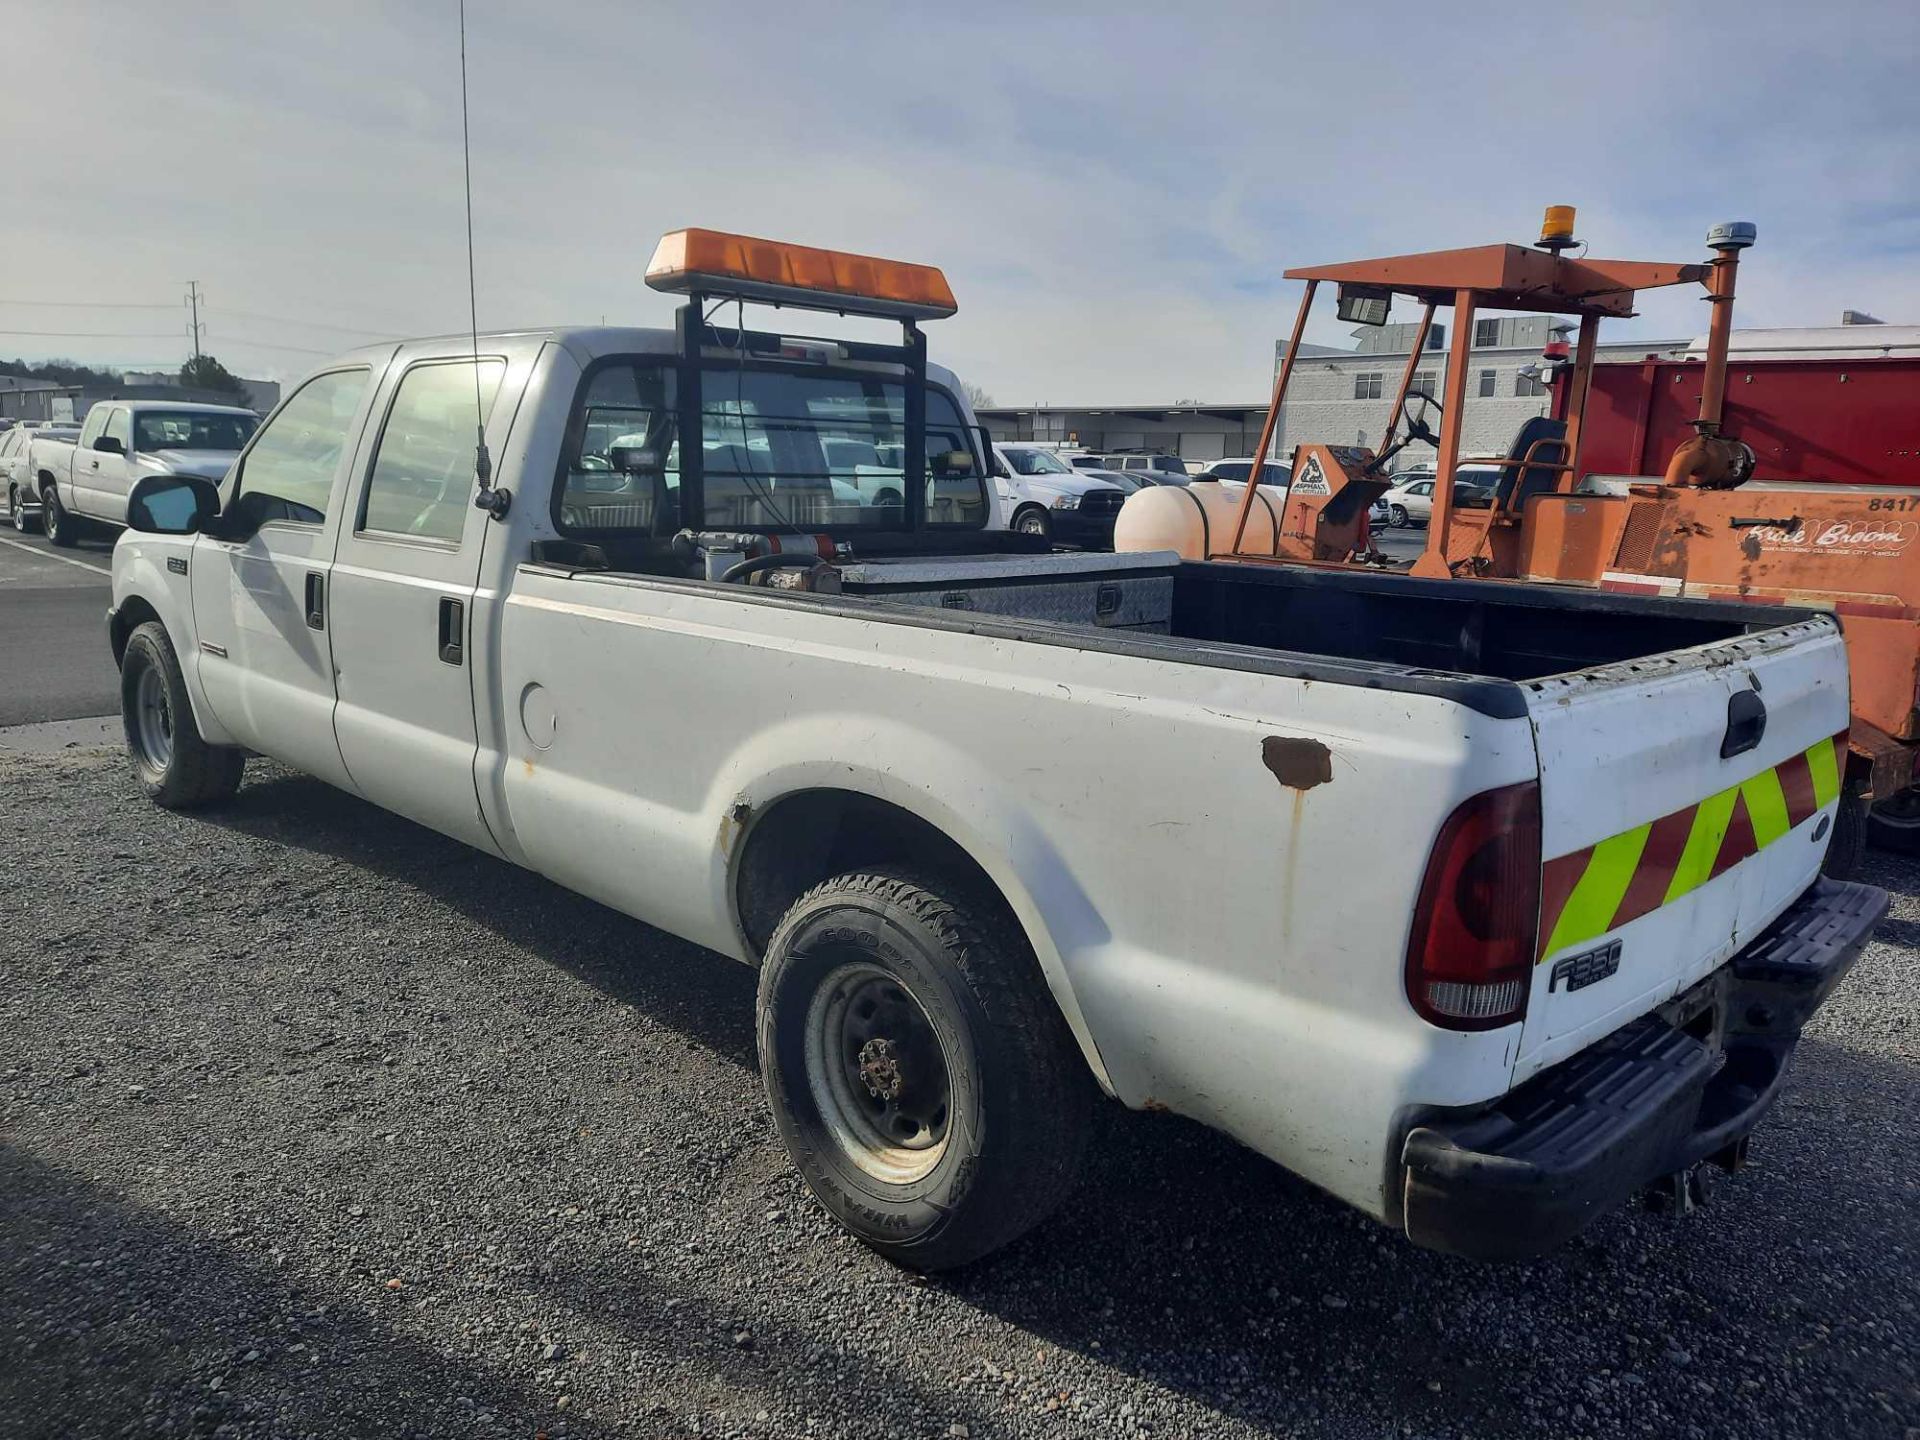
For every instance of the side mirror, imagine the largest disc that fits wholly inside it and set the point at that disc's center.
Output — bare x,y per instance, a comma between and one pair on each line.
109,445
172,505
950,463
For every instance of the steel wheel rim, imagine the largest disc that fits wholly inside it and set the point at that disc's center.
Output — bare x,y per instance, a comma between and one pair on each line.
153,719
1031,524
878,1073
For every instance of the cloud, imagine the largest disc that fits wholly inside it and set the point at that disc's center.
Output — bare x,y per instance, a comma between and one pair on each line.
1114,191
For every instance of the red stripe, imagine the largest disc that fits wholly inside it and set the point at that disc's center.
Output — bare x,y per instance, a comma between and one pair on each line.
1740,841
1666,842
1557,879
1796,783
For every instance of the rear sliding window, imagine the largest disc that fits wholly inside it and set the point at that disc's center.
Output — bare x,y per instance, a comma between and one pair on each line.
780,449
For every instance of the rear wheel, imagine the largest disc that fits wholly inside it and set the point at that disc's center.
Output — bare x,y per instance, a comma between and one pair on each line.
174,765
920,1076
61,528
1032,520
17,512
1893,824
1397,517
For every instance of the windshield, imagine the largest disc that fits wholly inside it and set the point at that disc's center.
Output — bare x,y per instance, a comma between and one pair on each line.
781,448
1036,462
186,430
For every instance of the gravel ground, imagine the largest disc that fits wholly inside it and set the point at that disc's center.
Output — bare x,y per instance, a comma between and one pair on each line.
314,1123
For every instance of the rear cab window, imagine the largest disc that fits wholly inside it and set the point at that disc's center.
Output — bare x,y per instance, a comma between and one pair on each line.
782,448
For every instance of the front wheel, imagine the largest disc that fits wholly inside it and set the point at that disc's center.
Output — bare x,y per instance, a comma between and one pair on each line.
61,528
177,769
1894,824
920,1077
1397,517
1032,520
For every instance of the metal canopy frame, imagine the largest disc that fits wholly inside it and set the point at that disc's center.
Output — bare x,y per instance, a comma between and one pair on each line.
1496,277
692,335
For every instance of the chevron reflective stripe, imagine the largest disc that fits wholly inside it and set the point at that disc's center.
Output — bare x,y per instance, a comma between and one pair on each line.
1585,894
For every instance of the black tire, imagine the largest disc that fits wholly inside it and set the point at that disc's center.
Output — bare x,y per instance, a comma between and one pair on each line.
1397,517
972,1024
1848,847
23,523
1032,520
1893,824
889,498
60,527
186,773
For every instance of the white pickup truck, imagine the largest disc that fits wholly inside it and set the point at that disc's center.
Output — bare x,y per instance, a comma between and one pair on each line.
87,480
1483,907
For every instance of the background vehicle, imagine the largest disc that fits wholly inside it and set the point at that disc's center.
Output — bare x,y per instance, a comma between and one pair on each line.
16,468
946,792
1046,496
1272,472
1411,503
1169,466
86,480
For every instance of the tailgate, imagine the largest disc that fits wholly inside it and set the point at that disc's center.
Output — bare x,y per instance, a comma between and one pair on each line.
1663,857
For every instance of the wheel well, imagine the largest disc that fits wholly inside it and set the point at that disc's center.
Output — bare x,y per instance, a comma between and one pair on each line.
129,617
807,837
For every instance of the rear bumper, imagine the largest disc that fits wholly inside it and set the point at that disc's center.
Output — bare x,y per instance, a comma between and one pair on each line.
1650,1101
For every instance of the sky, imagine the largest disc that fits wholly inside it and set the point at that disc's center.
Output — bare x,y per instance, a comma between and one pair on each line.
1113,190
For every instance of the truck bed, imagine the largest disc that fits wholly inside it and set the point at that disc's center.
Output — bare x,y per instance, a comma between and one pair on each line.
1464,640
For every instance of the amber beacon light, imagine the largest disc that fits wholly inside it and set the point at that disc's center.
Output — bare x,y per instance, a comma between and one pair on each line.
1556,230
709,262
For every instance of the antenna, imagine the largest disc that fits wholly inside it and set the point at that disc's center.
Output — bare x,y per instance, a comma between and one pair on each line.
488,498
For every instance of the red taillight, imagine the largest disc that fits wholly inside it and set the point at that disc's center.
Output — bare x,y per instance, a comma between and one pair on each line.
1471,957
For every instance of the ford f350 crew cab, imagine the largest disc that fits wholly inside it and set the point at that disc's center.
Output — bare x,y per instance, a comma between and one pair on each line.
1483,907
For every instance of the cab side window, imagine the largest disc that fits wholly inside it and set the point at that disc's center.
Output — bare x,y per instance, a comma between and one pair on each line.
422,481
288,474
120,427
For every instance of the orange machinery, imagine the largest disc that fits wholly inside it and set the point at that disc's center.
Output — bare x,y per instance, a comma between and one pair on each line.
1704,527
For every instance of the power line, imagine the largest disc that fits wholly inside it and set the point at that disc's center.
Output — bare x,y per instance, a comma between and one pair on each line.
85,305
96,334
307,324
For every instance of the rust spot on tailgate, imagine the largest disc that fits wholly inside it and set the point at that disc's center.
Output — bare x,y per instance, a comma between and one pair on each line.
1297,764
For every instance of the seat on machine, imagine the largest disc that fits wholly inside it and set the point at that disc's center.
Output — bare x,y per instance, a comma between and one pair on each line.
1520,482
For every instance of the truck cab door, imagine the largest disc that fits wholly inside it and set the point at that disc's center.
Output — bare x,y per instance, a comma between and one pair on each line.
110,470
260,578
81,478
404,577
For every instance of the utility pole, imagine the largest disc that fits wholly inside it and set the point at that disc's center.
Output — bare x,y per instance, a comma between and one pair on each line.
193,300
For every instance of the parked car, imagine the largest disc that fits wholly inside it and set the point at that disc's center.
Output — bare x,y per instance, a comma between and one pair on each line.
1165,469
1272,472
1411,501
86,480
1044,495
963,851
16,468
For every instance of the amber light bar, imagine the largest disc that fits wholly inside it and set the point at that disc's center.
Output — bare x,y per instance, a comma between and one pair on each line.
714,263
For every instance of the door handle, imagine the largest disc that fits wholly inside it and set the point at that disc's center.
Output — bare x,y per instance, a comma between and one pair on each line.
453,630
316,600
1746,723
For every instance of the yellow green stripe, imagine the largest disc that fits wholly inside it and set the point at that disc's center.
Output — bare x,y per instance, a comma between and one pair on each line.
1826,773
1596,897
1710,823
1766,807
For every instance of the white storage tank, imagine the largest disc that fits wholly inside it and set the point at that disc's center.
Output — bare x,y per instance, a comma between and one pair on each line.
1198,520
